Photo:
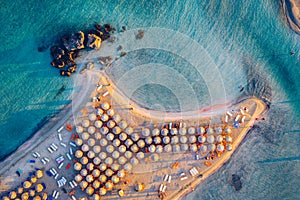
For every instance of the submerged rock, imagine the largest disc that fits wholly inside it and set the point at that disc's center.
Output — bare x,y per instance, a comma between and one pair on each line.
94,41
140,34
236,181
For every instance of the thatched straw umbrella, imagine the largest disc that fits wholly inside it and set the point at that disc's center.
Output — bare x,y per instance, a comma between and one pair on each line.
109,172
99,111
85,123
115,179
98,136
117,118
123,124
79,129
110,124
191,130
228,139
109,161
33,179
209,130
219,138
98,124
12,195
115,154
89,190
77,166
20,190
78,178
135,137
96,161
182,131
139,187
85,136
174,140
91,142
201,139
128,154
104,130
110,148
122,148
104,118
105,106
183,139
103,167
210,139
134,161
228,130
175,148
148,140
83,184
96,184
193,148
110,112
152,148
192,139
121,173
168,148
39,187
203,148
128,143
141,143
201,130
220,147
122,160
154,157
116,142
6,198
90,166
25,196
103,142
102,155
96,148
174,131
110,136
184,147
102,178
166,140
26,184
146,132
89,178
83,172
78,141
84,160
37,198
155,132
127,167
159,149
229,147
164,132
134,148
129,130
92,117
102,191
115,167
123,136
117,130
44,196
157,140
39,173
140,155
219,130
91,129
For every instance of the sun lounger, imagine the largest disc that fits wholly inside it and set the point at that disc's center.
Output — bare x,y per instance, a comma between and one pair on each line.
59,137
63,144
69,157
60,129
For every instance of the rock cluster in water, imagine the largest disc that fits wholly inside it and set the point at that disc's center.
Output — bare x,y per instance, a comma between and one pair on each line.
64,54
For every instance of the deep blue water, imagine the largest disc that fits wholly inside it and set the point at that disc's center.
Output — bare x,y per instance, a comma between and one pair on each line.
240,38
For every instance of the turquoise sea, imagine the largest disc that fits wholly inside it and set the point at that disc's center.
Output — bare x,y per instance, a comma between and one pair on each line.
245,46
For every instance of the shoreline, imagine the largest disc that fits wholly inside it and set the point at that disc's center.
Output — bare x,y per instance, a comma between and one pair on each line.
291,9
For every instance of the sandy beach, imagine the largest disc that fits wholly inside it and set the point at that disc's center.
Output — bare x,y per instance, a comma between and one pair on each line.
291,10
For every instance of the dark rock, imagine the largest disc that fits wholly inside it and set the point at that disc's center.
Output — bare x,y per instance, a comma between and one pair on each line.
140,34
236,181
124,28
123,54
119,48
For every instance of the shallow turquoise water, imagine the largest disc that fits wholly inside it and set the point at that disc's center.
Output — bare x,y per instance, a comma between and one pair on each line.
238,37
